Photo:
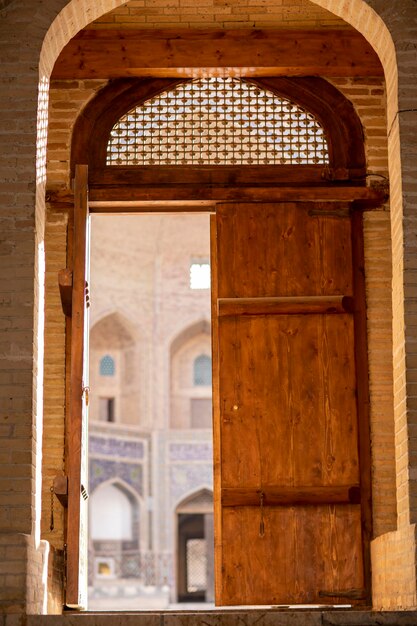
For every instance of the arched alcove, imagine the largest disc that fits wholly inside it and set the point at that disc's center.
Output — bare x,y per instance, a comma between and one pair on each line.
190,405
200,500
114,340
113,329
200,327
111,513
114,521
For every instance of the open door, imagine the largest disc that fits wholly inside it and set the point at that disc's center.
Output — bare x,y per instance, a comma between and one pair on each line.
292,477
77,426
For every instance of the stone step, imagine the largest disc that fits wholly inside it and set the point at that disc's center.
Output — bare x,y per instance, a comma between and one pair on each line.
223,617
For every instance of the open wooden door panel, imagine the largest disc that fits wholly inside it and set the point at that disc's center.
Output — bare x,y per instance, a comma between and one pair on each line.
291,486
77,528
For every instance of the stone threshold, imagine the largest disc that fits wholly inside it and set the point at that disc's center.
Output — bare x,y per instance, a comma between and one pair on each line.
255,617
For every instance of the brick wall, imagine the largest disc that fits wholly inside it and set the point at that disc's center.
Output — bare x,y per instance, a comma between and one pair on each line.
54,397
395,552
369,99
219,14
67,99
24,77
401,19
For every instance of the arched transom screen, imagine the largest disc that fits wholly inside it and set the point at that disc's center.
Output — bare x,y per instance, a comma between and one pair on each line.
217,121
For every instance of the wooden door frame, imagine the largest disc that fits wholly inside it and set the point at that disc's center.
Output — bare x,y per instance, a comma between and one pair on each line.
75,387
356,209
154,188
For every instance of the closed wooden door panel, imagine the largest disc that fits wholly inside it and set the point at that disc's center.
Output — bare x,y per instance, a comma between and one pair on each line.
287,250
287,401
289,446
304,552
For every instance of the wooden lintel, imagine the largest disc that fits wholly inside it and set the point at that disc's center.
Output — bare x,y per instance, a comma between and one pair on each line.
285,496
65,290
108,198
368,198
223,175
202,206
61,489
110,53
284,305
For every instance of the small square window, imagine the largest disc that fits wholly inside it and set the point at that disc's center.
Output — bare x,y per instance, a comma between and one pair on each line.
200,275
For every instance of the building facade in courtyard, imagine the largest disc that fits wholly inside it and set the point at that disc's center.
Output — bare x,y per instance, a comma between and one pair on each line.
150,435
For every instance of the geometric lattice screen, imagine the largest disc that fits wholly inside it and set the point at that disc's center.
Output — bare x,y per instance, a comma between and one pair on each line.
217,121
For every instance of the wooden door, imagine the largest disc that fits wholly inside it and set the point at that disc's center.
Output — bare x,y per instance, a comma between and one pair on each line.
77,426
292,489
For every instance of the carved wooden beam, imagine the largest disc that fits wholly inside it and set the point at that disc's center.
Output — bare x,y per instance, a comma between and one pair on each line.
106,198
110,53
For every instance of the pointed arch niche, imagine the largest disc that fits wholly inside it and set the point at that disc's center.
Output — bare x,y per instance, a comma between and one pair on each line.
114,371
190,401
114,530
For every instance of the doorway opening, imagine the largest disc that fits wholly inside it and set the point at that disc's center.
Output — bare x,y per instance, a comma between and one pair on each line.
150,417
195,552
288,283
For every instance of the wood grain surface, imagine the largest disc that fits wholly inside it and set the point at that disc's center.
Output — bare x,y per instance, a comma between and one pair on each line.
116,53
304,550
287,391
288,448
77,530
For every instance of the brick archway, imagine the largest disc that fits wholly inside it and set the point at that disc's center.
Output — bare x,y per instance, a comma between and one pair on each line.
364,19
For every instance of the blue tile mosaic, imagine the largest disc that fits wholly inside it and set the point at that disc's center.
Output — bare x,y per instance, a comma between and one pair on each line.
111,446
186,478
191,451
101,470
